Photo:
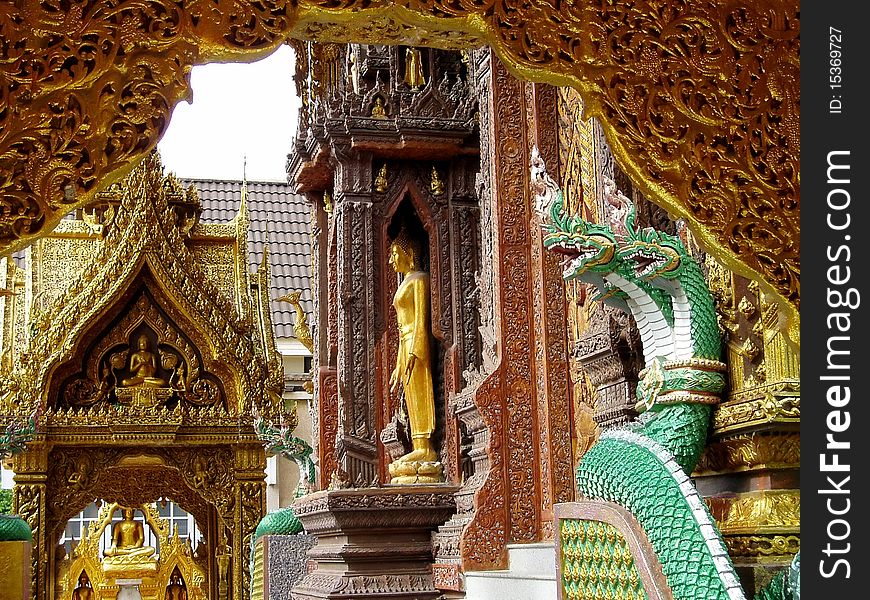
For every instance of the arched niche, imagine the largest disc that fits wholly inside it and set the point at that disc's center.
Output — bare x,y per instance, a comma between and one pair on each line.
418,214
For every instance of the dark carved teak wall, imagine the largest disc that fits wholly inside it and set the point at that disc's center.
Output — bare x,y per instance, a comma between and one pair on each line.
374,150
454,153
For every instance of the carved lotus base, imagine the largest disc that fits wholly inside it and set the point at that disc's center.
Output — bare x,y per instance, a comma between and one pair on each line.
129,567
372,543
415,471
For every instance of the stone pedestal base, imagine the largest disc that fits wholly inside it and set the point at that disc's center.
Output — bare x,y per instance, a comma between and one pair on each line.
131,588
373,543
14,570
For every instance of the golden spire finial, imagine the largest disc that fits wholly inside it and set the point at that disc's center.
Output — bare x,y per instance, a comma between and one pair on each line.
264,263
242,218
244,177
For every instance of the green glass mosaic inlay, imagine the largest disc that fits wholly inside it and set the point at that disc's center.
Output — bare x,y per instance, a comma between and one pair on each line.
597,563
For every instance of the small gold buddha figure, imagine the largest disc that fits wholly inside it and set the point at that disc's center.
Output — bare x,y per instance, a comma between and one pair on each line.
413,370
176,590
128,538
414,69
381,182
143,366
84,590
223,557
379,110
437,186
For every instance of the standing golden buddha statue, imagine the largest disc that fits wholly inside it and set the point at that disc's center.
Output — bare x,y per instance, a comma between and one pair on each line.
414,69
413,371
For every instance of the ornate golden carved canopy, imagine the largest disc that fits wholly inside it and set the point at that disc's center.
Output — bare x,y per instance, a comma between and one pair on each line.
141,278
175,554
700,98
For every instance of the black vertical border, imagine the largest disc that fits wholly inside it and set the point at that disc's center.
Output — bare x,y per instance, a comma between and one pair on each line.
824,130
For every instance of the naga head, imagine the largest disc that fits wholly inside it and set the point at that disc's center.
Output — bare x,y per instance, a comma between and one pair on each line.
655,255
589,250
586,248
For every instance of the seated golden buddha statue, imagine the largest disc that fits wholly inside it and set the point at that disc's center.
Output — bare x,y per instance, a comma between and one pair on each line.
143,367
128,550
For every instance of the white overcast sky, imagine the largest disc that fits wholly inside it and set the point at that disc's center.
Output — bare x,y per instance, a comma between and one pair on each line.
238,110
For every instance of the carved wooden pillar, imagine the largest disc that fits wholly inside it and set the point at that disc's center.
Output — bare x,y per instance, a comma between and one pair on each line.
318,220
477,405
249,496
327,374
464,263
551,334
29,501
508,399
465,352
357,272
328,410
514,298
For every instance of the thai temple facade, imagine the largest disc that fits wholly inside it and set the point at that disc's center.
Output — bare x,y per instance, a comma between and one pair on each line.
529,330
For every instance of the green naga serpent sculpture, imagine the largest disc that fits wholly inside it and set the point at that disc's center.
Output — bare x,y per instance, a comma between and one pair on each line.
280,440
14,441
645,466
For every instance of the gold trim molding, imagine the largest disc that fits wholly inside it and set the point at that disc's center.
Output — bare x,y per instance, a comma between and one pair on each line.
763,546
751,452
762,512
777,404
699,99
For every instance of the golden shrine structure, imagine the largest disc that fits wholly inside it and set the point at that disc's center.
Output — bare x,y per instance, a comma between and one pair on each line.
143,340
426,114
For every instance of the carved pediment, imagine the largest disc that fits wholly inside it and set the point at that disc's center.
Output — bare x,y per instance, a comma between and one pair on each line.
208,339
143,359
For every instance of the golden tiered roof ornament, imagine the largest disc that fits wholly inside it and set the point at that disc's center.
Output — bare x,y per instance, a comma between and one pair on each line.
145,341
180,332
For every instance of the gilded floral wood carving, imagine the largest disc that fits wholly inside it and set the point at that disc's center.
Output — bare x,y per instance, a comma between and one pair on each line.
700,99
